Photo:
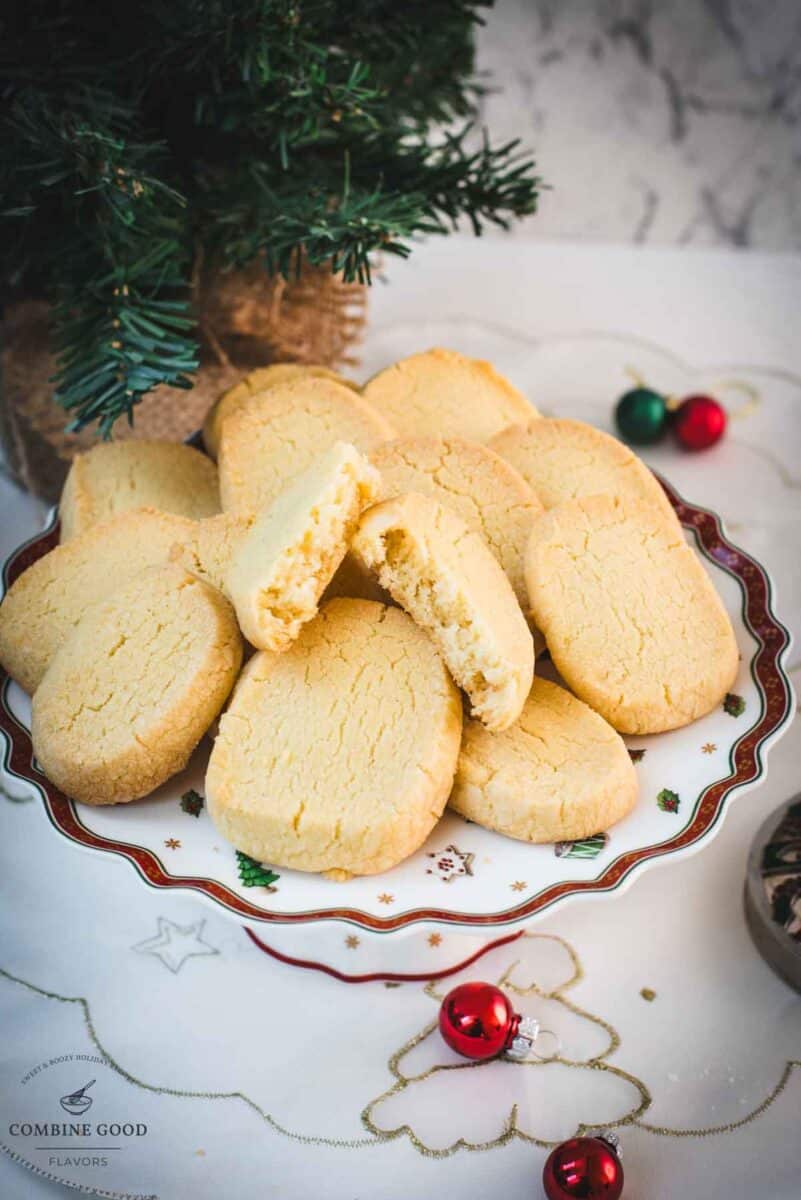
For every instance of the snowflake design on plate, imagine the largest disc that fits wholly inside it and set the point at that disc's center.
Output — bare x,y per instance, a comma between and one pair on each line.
450,863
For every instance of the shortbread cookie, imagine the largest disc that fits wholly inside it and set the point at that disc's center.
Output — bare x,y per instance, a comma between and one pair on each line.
563,459
451,583
207,547
558,774
257,381
338,755
49,599
489,495
281,568
135,686
631,619
443,393
280,432
114,477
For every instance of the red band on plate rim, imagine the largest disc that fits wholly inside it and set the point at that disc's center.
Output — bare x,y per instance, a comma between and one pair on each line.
747,762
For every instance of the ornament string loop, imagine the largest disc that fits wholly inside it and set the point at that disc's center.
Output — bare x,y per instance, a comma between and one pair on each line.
751,397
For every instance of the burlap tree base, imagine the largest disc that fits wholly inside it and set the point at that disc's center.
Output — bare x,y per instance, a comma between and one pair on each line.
247,319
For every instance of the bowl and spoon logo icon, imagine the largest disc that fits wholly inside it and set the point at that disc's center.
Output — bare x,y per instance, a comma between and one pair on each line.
78,1102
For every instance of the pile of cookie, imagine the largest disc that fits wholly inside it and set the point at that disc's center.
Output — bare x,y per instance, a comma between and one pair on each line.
392,559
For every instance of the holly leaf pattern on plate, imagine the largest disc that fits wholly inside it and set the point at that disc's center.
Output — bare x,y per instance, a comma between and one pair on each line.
733,704
192,803
668,801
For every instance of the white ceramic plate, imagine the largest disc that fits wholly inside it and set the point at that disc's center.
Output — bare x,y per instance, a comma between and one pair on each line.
467,887
464,876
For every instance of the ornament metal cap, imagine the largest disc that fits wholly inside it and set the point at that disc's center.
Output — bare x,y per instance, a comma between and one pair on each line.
525,1034
612,1140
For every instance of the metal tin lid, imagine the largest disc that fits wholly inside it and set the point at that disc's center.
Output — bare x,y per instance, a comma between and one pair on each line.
773,891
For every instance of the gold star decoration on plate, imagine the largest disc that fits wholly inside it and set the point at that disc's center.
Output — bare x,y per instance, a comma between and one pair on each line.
351,941
519,885
385,898
435,939
172,843
708,748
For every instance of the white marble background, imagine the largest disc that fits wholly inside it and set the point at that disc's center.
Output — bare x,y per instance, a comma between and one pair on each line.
666,121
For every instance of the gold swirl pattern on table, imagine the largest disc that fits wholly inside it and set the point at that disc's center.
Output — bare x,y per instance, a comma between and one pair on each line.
511,1124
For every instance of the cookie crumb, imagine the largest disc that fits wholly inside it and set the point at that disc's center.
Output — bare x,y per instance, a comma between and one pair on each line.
648,994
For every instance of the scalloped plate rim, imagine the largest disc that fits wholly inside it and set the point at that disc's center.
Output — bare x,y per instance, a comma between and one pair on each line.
614,878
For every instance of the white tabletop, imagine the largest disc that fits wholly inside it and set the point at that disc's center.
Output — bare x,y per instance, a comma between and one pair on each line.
256,1079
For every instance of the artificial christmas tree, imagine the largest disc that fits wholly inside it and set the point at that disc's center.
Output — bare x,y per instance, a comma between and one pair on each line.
171,170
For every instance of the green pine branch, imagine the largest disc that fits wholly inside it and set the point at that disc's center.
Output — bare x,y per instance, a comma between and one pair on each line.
124,335
386,199
278,130
121,319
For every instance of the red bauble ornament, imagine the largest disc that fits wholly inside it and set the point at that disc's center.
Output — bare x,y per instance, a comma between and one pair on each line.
699,422
584,1168
477,1020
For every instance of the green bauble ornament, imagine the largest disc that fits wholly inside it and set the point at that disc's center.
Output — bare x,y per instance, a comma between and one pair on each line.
641,416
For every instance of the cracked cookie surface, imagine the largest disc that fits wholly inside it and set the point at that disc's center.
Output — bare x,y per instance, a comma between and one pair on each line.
562,459
281,432
259,380
115,477
338,755
135,686
485,491
48,600
444,393
632,621
560,773
206,547
445,576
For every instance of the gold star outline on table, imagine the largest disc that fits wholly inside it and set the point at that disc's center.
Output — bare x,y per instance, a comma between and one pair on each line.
351,941
174,944
172,843
708,748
